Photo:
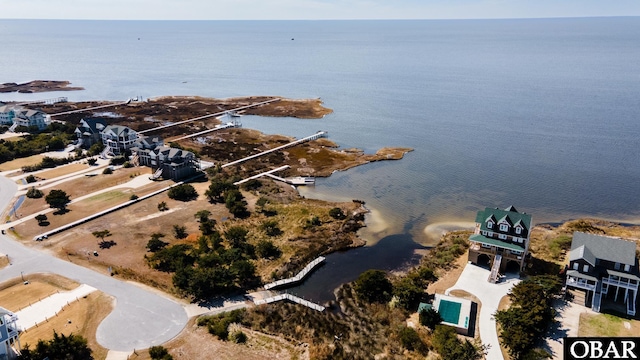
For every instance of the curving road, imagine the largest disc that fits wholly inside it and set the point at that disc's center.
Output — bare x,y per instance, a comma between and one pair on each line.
140,319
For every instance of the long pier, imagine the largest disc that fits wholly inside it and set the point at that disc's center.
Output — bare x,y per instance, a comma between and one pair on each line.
317,135
45,101
293,298
92,108
208,116
299,277
262,174
219,127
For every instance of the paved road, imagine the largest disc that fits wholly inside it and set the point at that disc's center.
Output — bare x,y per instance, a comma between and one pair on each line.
141,318
474,280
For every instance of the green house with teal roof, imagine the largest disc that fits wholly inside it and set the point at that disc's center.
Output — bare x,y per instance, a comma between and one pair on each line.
500,240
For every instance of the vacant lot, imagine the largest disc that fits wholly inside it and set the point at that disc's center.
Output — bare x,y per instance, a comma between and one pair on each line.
17,164
61,171
81,317
195,341
607,325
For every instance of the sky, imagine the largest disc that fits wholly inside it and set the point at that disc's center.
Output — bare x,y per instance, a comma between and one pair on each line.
311,9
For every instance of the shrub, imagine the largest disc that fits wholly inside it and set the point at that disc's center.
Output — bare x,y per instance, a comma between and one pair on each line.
373,286
337,213
159,353
238,337
30,179
180,231
127,165
410,339
162,206
92,161
107,171
133,197
267,250
183,192
34,193
271,228
155,244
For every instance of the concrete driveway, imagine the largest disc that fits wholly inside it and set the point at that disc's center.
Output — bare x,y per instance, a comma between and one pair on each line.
140,319
474,280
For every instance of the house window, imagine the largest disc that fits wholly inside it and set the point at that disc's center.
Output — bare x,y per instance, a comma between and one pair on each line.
585,268
616,266
518,230
489,225
504,227
486,246
627,268
490,234
502,236
575,266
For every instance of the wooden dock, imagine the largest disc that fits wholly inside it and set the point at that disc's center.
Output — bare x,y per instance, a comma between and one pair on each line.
292,298
315,136
299,276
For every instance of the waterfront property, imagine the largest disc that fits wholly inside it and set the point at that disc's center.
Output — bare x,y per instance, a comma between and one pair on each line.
454,311
168,162
500,240
89,132
9,340
605,269
15,115
118,139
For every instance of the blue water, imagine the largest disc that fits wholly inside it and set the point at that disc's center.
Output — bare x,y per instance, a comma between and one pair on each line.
541,114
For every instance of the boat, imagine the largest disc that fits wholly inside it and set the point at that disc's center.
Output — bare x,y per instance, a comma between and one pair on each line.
301,180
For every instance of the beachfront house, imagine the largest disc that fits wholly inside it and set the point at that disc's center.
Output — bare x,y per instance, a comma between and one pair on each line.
118,139
89,131
9,340
15,115
500,240
167,162
605,269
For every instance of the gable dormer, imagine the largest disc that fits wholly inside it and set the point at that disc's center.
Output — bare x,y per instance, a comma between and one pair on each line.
505,224
520,228
490,222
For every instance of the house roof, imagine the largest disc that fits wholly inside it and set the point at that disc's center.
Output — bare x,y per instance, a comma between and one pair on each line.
582,252
117,130
495,242
604,248
509,215
92,125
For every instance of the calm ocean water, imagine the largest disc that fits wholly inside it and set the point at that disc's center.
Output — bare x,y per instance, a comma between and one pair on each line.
541,114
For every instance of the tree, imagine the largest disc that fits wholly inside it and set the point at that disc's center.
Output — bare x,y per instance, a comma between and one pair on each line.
30,179
92,161
235,203
217,188
107,171
183,192
236,235
159,353
373,286
430,318
155,244
525,323
34,193
42,219
408,293
271,228
72,347
57,199
202,215
410,340
337,213
267,250
162,206
101,234
446,343
180,231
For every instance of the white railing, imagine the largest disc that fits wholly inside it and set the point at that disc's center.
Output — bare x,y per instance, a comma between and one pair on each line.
628,284
290,297
571,281
299,277
495,268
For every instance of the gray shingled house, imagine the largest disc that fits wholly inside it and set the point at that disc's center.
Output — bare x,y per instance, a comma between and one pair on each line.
89,131
118,139
606,269
501,240
167,162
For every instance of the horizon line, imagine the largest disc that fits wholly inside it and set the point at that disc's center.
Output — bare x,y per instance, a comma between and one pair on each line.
336,19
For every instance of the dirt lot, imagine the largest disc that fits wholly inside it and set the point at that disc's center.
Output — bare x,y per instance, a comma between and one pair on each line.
81,317
15,295
17,164
61,171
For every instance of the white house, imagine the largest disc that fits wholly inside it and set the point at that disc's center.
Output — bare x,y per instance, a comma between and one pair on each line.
9,341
